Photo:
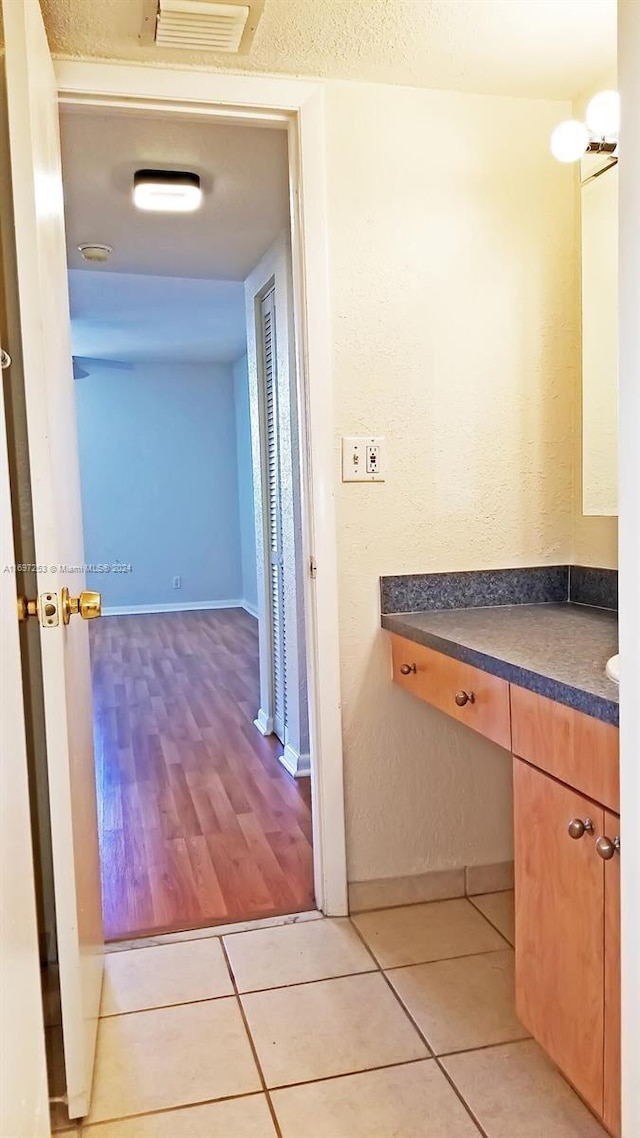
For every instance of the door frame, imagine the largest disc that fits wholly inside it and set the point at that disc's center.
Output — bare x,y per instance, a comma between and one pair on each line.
629,552
298,107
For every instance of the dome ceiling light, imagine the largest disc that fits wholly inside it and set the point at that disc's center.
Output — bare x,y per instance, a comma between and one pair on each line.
167,191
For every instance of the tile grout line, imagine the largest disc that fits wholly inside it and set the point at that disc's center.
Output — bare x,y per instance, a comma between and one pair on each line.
492,923
84,1127
254,1050
423,1037
458,1093
300,983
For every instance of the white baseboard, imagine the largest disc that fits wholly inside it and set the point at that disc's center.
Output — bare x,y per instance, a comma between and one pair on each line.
264,723
251,609
296,764
180,606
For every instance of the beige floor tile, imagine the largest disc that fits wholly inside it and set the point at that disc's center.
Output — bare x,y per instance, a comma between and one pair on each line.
435,931
334,1027
500,909
295,954
171,1057
414,1101
239,1118
163,975
515,1092
462,1003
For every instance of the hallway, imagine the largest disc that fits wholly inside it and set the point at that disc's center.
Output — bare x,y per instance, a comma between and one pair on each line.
199,823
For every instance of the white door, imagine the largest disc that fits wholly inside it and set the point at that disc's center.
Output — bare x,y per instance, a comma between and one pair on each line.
276,613
24,1101
45,330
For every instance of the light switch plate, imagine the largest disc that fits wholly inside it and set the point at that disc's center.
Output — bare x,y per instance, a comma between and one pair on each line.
363,458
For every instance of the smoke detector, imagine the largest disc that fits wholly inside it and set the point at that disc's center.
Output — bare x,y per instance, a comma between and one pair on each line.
201,25
94,252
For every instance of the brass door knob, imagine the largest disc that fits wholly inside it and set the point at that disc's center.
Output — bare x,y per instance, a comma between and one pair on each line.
407,669
607,847
88,605
577,827
27,608
464,697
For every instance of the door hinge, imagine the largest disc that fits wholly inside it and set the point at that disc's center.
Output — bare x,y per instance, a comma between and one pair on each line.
313,568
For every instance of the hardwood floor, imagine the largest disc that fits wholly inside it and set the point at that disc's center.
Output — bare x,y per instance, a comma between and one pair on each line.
199,823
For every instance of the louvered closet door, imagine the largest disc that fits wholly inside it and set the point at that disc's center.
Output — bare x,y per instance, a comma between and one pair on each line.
274,516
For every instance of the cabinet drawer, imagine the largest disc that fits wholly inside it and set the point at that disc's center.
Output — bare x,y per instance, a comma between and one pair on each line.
576,748
438,679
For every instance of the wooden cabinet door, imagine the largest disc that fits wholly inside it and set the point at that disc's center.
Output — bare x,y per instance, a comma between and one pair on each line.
612,1109
560,928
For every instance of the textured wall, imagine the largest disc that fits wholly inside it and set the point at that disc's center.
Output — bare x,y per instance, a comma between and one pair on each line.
455,332
160,482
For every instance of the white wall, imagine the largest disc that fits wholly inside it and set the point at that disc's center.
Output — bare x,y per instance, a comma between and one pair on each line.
245,484
160,483
455,334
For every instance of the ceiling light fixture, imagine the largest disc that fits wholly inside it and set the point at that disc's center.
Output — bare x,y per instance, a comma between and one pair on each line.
98,254
571,140
166,191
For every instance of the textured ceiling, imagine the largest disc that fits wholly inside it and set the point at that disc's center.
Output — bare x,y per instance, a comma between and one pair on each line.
539,48
121,316
244,174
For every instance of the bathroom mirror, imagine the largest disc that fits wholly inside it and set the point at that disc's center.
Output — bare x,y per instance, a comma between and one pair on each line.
599,213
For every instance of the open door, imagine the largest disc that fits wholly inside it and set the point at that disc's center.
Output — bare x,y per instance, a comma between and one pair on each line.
38,219
24,1101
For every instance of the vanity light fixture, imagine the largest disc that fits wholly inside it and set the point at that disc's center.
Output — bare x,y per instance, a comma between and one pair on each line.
571,140
167,191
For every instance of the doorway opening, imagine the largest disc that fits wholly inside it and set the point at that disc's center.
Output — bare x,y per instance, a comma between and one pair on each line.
189,441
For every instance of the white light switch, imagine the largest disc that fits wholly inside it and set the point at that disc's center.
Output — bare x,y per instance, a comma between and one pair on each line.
362,459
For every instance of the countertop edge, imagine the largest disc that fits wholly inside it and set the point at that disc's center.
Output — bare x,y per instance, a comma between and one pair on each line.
598,707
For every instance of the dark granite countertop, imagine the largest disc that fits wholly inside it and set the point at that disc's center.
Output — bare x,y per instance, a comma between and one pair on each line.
557,650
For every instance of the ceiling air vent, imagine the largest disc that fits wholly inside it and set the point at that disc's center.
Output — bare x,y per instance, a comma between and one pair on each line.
202,25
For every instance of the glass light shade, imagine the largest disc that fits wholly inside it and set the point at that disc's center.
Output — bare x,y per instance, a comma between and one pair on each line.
569,141
603,114
166,191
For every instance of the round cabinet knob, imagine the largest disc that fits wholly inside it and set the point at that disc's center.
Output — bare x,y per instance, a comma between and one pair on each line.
407,669
464,697
607,847
577,827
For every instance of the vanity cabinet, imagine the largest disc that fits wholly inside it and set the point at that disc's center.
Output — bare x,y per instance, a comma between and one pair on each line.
567,934
612,1026
567,864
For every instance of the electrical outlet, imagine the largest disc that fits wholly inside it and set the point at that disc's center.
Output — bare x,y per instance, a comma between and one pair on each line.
362,459
177,582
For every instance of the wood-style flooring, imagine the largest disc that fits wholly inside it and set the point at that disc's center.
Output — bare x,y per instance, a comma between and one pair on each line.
199,823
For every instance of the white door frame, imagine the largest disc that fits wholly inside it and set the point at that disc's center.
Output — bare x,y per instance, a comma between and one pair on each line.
297,106
273,272
629,531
